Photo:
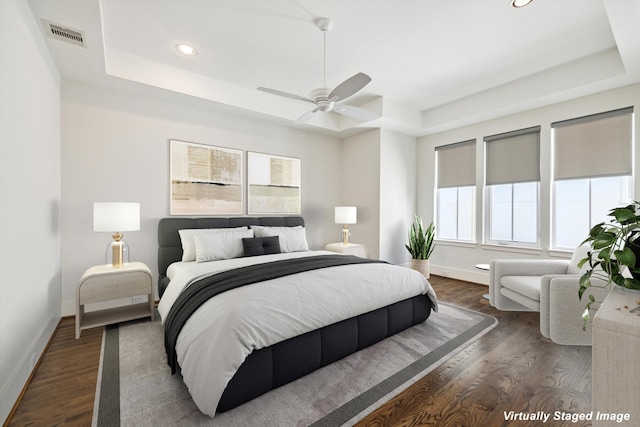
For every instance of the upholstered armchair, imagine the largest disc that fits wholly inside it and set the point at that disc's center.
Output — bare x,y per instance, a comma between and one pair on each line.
549,287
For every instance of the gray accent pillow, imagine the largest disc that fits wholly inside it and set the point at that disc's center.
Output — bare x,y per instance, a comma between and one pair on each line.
261,245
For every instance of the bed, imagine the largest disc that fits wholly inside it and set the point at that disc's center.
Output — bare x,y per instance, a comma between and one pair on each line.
234,336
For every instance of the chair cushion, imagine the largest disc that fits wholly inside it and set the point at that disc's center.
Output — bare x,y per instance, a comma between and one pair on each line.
529,286
530,304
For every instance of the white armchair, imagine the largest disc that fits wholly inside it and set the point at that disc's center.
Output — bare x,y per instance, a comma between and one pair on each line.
514,284
549,287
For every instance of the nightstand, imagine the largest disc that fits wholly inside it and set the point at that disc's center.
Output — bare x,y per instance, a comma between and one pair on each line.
348,249
105,283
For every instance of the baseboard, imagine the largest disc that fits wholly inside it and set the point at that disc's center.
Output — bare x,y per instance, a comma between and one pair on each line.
476,276
16,386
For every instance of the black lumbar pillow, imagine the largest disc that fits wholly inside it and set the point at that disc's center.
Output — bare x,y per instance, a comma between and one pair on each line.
261,245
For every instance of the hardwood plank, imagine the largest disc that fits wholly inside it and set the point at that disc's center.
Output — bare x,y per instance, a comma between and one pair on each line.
511,368
63,388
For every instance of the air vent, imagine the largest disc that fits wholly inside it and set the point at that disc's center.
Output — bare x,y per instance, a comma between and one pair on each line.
66,34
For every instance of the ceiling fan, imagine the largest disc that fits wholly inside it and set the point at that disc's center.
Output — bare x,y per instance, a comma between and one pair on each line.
326,99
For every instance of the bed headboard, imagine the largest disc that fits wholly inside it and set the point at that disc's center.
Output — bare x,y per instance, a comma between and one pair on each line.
170,247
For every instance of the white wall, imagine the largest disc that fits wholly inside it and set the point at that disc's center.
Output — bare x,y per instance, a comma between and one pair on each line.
115,147
29,198
379,177
397,194
459,260
360,187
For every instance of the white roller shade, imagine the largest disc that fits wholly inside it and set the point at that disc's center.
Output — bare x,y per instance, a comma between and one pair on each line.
594,146
513,157
456,164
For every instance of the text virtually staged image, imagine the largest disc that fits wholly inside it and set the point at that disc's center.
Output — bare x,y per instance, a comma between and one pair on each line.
320,213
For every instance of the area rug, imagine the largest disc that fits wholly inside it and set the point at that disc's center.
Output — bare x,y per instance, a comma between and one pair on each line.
135,386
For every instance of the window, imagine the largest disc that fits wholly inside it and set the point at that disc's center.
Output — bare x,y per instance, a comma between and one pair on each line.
455,217
512,187
514,212
592,172
582,203
456,191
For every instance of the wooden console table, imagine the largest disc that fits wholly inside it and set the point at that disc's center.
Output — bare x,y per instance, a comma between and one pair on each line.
616,358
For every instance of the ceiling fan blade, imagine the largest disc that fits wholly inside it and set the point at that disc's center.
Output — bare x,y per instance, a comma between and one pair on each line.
306,116
285,94
350,86
356,112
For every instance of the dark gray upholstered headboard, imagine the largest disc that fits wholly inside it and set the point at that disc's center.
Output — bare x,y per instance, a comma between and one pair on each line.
170,247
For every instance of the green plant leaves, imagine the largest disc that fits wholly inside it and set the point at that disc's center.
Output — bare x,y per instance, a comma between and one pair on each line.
631,283
613,242
626,257
624,215
420,239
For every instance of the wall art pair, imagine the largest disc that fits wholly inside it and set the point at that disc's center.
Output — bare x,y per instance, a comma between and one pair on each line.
209,180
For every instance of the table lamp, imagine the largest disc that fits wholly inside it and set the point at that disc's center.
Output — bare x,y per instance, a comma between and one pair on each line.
345,215
116,217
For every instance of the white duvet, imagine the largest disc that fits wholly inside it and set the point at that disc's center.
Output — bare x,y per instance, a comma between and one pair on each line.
226,329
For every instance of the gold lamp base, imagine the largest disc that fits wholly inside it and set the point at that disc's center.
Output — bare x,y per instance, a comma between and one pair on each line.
345,234
117,252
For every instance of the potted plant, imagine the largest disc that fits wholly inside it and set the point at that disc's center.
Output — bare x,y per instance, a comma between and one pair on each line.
615,255
420,245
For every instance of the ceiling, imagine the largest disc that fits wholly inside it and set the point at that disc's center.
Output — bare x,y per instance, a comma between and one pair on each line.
434,64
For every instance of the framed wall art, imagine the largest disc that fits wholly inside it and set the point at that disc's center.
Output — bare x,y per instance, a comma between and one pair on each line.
273,184
206,180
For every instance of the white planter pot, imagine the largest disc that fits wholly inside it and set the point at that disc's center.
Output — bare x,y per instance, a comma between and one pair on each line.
421,265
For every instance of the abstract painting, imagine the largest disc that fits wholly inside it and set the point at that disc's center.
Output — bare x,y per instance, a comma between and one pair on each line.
205,180
273,184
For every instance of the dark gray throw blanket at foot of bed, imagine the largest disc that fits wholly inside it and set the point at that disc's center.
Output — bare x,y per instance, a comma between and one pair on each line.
204,289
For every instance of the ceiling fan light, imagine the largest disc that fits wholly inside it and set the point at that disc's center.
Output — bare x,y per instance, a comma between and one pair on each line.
325,106
186,49
520,3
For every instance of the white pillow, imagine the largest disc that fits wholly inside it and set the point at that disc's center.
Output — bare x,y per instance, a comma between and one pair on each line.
292,239
188,244
222,245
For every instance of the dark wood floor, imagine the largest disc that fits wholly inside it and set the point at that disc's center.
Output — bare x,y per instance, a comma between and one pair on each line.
63,388
511,368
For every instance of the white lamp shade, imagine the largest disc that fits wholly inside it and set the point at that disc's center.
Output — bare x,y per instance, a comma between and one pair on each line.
346,214
116,216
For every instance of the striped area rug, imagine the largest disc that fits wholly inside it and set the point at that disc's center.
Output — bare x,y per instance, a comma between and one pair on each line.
135,387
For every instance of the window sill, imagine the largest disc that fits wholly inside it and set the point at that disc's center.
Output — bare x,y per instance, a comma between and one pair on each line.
511,248
458,243
560,253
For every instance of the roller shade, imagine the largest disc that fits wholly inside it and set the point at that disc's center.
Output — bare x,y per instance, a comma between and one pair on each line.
513,157
456,164
594,146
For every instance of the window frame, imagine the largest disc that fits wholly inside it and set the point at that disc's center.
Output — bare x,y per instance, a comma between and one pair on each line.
457,220
579,174
512,243
554,202
456,181
530,177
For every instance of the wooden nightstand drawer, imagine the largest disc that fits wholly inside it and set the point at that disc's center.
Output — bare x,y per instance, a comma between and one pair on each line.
98,288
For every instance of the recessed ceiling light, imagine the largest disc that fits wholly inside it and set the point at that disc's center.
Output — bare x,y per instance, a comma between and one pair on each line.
185,49
520,3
